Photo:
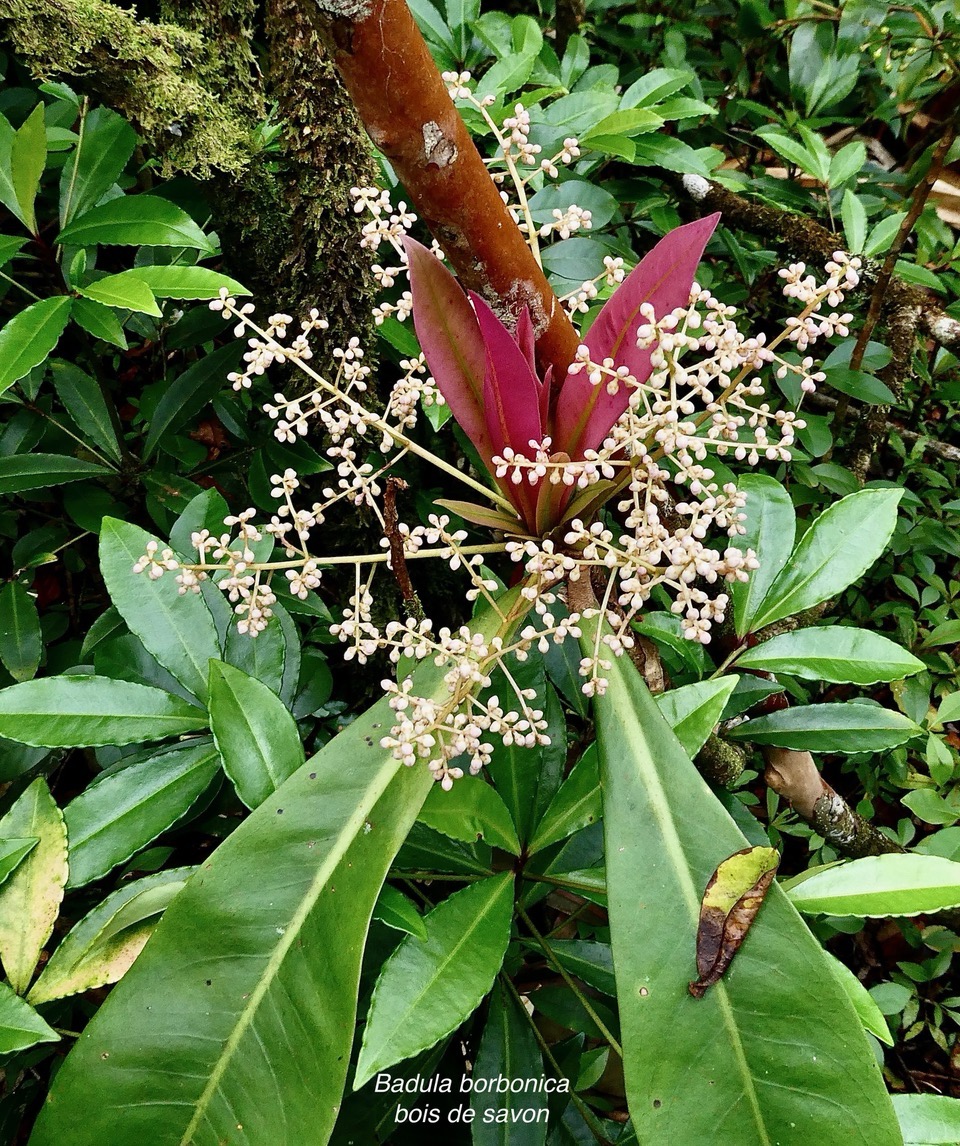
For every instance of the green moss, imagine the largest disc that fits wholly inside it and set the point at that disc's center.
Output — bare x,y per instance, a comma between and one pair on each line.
163,77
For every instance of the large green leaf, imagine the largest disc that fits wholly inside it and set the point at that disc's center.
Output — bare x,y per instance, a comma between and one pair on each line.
21,472
508,1049
29,337
186,282
120,813
838,653
426,990
21,642
254,731
855,726
770,528
178,630
773,1053
260,952
20,1025
878,886
99,320
837,549
28,158
928,1119
85,403
471,810
30,899
190,391
125,291
101,948
87,711
694,710
577,804
98,161
136,220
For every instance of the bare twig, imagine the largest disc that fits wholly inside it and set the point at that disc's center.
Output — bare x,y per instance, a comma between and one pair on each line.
398,559
809,240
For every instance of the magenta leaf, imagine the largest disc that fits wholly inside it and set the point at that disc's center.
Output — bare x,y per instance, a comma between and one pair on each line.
451,341
585,413
511,395
511,389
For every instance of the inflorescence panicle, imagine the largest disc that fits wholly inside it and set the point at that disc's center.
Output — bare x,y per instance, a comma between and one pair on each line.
704,399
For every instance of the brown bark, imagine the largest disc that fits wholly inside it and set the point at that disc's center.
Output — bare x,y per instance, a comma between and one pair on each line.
394,83
795,776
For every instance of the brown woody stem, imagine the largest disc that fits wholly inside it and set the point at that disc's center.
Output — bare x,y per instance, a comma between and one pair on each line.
391,77
795,776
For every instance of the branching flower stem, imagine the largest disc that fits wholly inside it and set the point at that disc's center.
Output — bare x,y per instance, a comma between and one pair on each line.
371,419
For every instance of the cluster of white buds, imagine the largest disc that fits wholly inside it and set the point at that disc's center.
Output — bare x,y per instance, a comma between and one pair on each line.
843,273
564,223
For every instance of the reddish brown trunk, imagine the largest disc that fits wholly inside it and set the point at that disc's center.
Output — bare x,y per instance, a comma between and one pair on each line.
403,102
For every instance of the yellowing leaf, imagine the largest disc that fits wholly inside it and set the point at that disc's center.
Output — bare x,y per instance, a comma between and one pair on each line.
730,904
30,899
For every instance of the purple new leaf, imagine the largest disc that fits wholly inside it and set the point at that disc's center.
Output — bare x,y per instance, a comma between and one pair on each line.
585,413
452,344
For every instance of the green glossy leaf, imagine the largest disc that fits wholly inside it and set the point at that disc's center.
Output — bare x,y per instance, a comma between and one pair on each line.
256,736
879,886
931,807
590,961
21,642
471,810
529,778
21,472
30,899
125,291
627,121
87,711
508,1048
10,247
29,337
426,990
98,320
123,811
101,948
577,804
395,910
190,391
863,1002
233,967
20,1025
105,149
861,385
665,833
694,710
83,398
28,158
770,528
837,549
135,220
837,653
928,1119
949,710
265,656
178,631
854,216
186,282
854,726
792,151
12,851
